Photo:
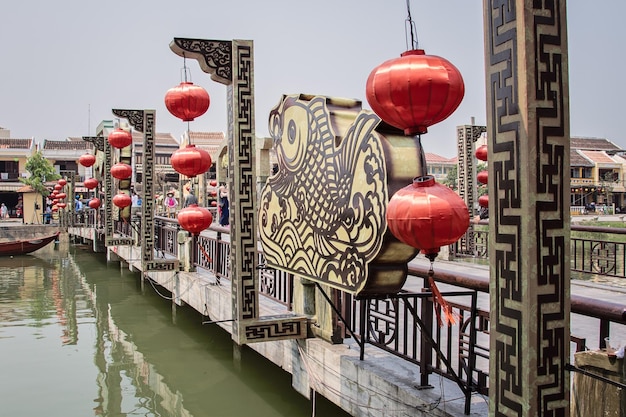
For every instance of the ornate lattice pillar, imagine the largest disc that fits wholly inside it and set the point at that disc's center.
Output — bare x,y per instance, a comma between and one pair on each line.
231,63
528,131
144,121
467,136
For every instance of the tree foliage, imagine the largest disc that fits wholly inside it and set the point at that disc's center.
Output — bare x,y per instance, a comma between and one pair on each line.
41,170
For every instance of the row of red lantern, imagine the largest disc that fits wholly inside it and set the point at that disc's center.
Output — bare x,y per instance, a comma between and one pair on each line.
483,176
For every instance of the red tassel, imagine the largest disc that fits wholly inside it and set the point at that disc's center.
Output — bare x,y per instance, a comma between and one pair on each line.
449,317
206,255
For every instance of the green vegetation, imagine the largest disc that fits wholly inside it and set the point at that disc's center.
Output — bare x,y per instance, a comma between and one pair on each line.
41,170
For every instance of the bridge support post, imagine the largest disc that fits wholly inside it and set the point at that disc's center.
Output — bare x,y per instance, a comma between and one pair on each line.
529,218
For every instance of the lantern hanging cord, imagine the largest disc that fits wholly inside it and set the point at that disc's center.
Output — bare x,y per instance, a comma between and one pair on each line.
411,28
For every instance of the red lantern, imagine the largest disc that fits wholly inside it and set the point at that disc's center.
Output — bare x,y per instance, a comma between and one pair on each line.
61,196
482,177
62,182
191,161
427,215
55,208
94,203
415,91
121,171
57,187
120,138
194,219
55,201
213,203
213,183
90,183
122,200
483,201
61,205
187,101
87,160
481,152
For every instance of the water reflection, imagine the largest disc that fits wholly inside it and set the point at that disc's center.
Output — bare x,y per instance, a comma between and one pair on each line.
80,337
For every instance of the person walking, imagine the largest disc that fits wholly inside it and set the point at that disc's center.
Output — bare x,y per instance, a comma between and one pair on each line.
190,199
224,205
170,204
4,212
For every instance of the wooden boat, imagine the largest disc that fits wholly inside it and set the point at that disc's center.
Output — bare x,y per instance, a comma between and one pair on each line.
20,247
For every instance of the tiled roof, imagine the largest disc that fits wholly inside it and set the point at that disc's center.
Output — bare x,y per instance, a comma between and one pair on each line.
577,159
160,139
433,158
593,144
599,157
6,143
206,136
66,145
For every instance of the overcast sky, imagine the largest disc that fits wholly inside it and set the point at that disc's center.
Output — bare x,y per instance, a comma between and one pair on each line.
66,63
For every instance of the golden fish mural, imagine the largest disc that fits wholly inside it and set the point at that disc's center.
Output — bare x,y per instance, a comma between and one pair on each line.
322,214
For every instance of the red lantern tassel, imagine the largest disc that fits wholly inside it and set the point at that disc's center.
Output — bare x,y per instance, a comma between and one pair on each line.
206,255
449,317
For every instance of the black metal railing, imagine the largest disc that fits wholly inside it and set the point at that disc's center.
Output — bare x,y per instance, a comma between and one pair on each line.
406,325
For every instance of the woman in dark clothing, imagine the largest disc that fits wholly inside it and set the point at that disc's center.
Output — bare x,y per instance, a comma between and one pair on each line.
224,208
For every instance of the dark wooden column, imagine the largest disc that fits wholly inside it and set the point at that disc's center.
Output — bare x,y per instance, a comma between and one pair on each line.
528,132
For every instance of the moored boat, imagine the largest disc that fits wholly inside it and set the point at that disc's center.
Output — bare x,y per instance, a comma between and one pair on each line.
21,247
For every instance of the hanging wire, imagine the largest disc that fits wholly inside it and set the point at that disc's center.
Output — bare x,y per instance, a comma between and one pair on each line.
410,27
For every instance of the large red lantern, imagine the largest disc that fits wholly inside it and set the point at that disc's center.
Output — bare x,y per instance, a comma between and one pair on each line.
62,182
121,171
415,91
120,138
481,152
87,160
483,201
482,177
194,219
122,200
90,183
191,161
187,101
94,203
427,215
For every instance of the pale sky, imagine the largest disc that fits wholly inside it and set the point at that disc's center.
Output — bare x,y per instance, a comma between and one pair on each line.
66,63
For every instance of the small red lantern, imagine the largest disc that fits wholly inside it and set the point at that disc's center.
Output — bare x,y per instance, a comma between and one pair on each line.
94,203
87,160
194,219
481,152
213,203
213,183
187,101
90,183
122,200
427,215
61,196
120,138
121,171
55,208
482,177
57,187
415,91
483,201
61,205
191,161
62,182
55,201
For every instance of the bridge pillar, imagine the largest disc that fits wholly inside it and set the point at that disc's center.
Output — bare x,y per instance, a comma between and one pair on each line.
529,218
